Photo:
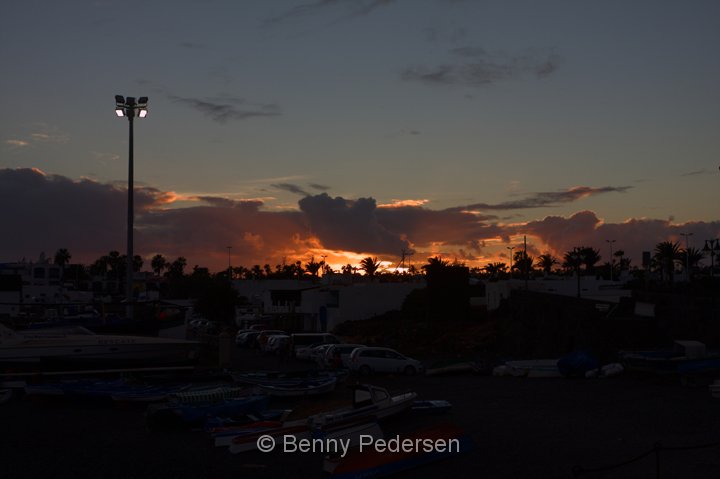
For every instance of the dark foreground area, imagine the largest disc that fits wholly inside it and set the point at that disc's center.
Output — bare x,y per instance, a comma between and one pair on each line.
523,428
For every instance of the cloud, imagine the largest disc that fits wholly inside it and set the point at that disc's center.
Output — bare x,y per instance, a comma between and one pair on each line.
17,143
349,224
424,228
318,187
546,198
220,202
355,8
695,173
45,212
291,188
632,236
225,109
395,203
481,68
41,134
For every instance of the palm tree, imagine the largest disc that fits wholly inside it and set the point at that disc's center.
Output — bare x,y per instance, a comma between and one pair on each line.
546,262
158,264
137,263
62,257
299,269
177,267
666,254
313,267
590,257
495,269
99,267
257,271
523,263
693,257
239,271
572,260
370,266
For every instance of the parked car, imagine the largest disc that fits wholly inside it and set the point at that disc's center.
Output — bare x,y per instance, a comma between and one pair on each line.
304,341
338,355
262,338
247,339
277,343
267,347
314,353
240,336
196,325
368,360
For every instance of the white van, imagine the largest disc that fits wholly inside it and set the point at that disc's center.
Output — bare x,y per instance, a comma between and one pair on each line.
300,343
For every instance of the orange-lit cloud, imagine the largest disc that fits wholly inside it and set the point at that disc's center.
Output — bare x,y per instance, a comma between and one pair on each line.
402,203
45,212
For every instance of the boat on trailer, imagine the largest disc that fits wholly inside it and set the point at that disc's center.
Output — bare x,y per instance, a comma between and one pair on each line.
78,347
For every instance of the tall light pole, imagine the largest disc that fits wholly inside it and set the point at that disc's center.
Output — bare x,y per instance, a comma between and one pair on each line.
687,253
130,108
612,260
511,248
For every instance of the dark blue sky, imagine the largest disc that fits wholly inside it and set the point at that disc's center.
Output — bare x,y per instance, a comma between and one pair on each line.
439,103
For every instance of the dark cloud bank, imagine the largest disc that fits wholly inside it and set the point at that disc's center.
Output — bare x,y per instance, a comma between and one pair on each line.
44,212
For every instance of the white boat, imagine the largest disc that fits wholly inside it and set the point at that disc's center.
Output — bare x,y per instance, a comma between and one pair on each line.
533,368
370,404
370,401
42,349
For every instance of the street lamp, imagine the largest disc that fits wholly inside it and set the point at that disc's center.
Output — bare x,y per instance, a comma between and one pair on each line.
129,107
612,260
687,253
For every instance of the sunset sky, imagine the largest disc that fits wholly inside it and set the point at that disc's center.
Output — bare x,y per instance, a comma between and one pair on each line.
349,128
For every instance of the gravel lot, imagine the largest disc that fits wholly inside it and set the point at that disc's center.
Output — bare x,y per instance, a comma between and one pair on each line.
523,428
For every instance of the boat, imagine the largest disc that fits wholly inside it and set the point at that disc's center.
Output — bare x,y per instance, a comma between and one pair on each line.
311,387
246,439
531,368
686,357
283,378
424,446
370,403
430,406
173,414
68,348
118,390
453,368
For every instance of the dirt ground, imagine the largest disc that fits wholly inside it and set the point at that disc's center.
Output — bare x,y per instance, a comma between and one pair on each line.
522,428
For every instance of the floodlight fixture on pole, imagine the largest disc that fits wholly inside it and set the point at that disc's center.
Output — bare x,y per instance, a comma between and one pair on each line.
130,107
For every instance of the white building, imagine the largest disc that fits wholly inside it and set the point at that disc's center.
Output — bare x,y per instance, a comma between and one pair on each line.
590,288
324,305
